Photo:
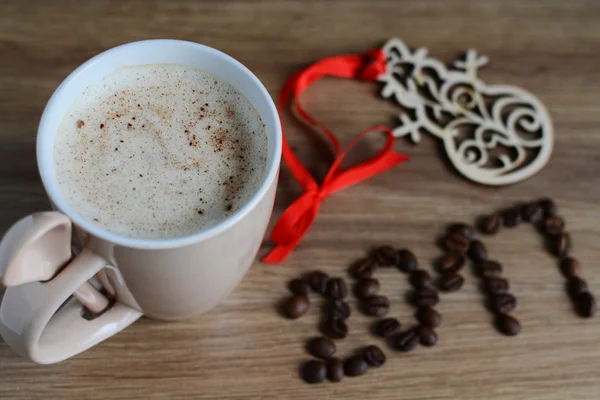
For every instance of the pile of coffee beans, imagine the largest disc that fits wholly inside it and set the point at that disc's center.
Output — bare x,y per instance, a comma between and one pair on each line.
460,243
336,311
425,297
456,244
544,214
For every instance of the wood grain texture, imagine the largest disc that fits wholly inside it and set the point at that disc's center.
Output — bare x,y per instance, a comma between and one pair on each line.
243,349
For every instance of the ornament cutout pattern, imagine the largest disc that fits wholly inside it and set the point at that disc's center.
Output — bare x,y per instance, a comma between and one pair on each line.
492,134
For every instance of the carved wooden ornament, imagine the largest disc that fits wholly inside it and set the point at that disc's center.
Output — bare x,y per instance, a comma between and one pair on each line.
493,134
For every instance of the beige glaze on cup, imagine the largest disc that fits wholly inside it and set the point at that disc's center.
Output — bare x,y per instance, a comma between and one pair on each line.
116,278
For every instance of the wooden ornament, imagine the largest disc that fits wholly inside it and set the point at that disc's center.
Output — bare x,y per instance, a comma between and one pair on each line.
492,134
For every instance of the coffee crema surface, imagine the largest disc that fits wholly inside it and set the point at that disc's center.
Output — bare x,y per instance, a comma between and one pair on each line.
160,151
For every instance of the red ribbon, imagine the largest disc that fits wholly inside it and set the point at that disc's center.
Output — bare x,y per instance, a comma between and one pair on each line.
297,219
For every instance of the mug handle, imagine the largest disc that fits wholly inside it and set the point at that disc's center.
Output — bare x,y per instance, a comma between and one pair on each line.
41,315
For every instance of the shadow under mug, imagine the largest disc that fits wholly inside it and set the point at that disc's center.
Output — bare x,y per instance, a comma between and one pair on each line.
48,291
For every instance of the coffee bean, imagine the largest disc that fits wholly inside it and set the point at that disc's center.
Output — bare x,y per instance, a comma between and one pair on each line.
387,327
490,268
507,325
407,340
491,224
511,217
355,366
374,356
364,268
385,256
457,243
295,306
420,279
427,316
427,336
335,328
318,281
548,207
585,305
569,267
462,229
336,288
299,287
407,262
337,308
503,303
477,251
335,369
561,244
531,212
554,225
426,297
451,282
496,285
576,286
366,288
314,371
321,347
451,262
376,306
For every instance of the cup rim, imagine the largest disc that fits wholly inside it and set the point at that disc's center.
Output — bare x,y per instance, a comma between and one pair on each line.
58,200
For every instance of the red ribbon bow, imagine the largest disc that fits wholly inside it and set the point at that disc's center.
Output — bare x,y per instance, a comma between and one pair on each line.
297,219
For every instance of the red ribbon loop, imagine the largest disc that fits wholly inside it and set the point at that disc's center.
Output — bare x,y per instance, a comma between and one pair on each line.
299,216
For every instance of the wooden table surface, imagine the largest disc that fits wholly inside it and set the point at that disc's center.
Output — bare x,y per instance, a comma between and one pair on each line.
243,349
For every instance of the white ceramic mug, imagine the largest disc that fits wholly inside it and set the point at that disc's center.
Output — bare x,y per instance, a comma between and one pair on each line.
41,315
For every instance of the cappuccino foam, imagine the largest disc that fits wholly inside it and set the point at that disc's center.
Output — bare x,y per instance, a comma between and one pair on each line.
159,151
